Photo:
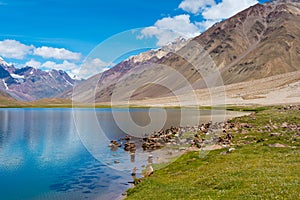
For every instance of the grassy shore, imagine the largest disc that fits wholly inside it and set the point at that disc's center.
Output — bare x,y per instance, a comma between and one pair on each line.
264,165
65,103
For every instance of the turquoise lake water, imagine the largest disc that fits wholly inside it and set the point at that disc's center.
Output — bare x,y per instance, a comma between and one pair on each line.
42,155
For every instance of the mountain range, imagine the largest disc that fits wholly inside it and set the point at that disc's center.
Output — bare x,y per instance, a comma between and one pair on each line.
258,45
261,41
29,84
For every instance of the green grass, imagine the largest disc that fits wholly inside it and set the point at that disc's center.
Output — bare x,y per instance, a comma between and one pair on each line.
253,171
248,108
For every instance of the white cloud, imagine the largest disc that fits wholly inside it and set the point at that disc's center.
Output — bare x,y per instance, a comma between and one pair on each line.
66,65
169,28
83,71
226,9
212,12
74,73
14,49
71,68
56,53
204,25
195,6
93,66
33,63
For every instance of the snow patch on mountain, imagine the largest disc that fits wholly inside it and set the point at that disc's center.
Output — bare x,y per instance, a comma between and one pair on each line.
5,84
3,63
161,52
16,76
67,81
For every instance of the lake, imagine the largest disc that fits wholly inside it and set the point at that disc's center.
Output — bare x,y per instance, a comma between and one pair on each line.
64,153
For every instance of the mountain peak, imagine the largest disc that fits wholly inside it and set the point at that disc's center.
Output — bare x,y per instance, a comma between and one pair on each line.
159,53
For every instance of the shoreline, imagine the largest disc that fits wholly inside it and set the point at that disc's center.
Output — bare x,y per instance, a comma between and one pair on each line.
197,144
241,130
242,108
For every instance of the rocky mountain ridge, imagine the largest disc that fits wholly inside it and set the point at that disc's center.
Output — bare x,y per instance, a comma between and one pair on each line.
28,83
258,42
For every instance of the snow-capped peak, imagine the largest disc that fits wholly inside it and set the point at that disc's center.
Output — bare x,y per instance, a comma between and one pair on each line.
2,62
173,46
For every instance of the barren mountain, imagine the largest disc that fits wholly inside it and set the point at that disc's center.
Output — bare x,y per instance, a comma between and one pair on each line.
259,42
7,100
104,83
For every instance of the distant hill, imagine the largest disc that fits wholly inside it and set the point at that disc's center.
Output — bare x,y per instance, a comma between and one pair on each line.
6,100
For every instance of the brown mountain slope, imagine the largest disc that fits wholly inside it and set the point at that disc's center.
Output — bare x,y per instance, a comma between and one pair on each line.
7,101
259,42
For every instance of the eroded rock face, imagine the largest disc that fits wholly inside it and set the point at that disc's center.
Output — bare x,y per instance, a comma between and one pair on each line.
256,42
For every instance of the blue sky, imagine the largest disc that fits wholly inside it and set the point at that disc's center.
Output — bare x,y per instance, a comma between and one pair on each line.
56,34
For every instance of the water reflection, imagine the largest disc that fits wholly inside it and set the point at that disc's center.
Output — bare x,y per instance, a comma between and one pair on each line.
43,157
48,138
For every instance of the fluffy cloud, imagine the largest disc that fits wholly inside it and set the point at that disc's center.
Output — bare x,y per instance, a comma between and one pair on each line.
83,71
93,66
212,12
56,53
33,63
14,49
226,9
66,65
204,25
71,68
169,28
196,6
